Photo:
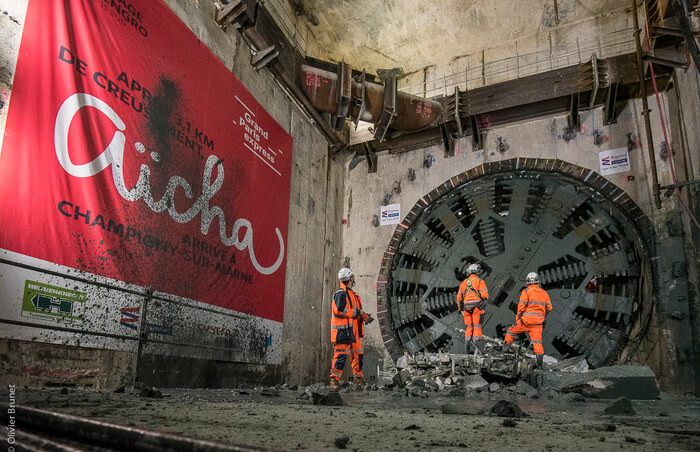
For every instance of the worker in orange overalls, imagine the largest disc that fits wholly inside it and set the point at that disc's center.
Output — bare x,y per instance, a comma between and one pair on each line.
347,327
471,299
532,309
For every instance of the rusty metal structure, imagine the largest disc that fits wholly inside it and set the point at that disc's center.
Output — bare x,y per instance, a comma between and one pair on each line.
342,95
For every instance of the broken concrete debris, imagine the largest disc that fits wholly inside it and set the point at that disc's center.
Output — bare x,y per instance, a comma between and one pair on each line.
331,398
506,408
153,393
525,389
621,406
402,377
501,366
442,371
269,392
342,442
475,383
498,367
576,365
634,382
573,397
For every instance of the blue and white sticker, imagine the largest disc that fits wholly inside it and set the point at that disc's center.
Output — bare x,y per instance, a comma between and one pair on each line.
614,161
390,214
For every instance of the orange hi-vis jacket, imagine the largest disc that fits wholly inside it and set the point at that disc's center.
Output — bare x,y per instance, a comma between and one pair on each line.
534,304
470,290
347,309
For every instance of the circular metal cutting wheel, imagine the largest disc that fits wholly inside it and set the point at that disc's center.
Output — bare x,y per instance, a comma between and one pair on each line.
585,249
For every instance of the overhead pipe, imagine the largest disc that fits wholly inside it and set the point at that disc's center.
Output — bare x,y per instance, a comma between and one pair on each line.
645,106
330,93
256,41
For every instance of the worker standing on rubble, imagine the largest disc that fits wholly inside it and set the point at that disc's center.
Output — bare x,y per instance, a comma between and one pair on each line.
532,309
471,299
347,329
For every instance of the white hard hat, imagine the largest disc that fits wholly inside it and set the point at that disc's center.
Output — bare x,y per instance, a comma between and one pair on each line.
473,268
345,274
532,278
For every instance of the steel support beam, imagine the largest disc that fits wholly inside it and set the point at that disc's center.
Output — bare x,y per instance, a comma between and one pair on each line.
574,120
477,142
609,113
371,155
645,105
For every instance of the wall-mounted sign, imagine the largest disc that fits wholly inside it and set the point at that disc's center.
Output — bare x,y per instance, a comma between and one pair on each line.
52,303
614,161
390,214
133,153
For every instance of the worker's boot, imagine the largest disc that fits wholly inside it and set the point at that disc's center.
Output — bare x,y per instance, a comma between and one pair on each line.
540,362
469,348
334,384
359,382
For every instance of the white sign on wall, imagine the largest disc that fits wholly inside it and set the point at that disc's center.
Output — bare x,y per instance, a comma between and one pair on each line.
390,214
614,161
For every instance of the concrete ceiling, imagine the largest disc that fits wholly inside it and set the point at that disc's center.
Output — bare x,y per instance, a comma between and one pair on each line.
415,34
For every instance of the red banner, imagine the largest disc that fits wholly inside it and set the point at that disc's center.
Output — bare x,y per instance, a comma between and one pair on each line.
132,152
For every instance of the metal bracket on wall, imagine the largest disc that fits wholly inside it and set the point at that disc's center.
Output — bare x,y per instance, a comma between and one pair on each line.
458,117
371,155
343,94
240,13
448,140
477,139
389,111
361,102
573,120
609,113
262,52
680,63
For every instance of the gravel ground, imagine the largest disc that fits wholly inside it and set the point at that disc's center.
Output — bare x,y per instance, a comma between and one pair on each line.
382,419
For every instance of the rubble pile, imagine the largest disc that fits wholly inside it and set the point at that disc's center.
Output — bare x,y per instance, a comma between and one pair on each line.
475,372
496,366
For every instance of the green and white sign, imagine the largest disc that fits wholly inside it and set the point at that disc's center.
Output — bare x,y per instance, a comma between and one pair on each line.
52,303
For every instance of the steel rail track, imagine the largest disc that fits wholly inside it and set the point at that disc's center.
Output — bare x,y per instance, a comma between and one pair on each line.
43,430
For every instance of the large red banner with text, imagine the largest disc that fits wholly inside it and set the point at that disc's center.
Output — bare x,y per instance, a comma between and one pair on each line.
132,152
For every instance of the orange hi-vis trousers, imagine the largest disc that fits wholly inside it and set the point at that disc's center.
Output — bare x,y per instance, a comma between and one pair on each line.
340,356
534,331
472,321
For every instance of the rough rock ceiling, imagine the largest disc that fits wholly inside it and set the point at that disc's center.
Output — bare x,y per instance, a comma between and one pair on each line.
414,34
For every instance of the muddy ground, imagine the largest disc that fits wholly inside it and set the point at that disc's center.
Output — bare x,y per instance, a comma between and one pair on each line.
382,419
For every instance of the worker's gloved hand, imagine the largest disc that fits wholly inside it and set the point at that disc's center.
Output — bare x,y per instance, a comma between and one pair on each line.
481,304
460,306
369,320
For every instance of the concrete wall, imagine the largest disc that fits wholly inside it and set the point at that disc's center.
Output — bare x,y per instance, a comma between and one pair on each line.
411,35
313,251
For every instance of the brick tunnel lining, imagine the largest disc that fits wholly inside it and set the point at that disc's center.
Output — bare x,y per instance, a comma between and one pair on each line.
588,240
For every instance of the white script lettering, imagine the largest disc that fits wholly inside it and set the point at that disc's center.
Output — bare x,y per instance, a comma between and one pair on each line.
114,155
